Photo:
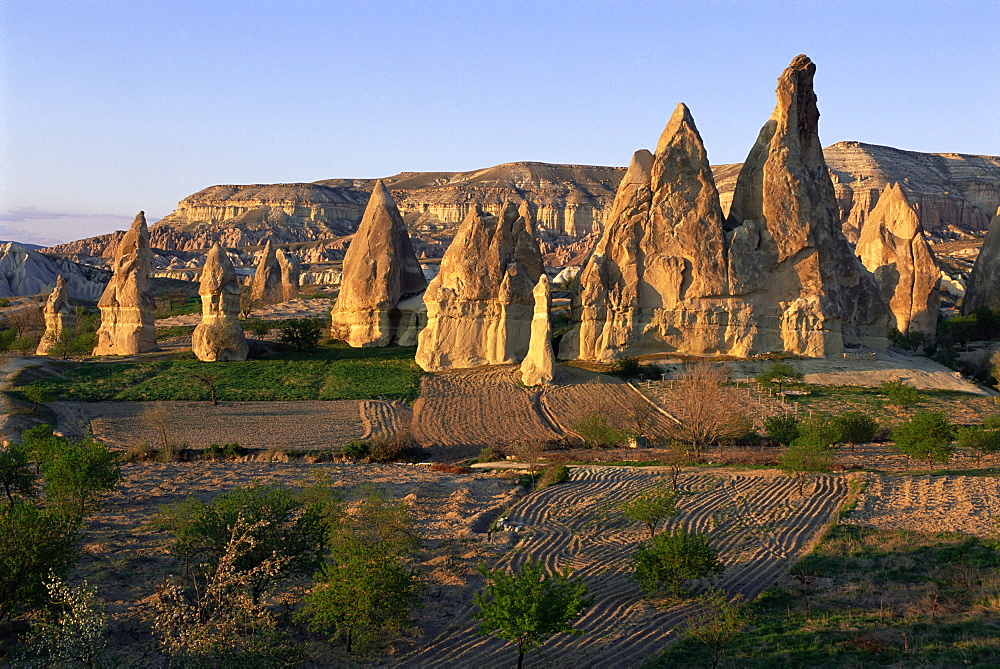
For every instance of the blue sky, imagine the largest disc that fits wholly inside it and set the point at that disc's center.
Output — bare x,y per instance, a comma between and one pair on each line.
111,107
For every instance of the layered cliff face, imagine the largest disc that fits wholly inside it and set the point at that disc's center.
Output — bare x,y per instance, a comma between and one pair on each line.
669,275
894,249
952,193
480,306
984,283
380,269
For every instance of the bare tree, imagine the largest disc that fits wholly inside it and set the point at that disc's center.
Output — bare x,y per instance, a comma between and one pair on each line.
157,417
25,320
210,381
707,412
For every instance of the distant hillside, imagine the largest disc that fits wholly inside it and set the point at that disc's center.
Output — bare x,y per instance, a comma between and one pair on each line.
955,195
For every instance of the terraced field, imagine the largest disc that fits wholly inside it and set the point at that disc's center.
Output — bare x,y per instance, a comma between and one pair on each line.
757,522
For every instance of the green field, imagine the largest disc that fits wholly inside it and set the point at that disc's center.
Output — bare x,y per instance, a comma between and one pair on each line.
330,373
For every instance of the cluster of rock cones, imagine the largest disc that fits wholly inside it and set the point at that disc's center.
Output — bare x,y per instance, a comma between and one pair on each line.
670,272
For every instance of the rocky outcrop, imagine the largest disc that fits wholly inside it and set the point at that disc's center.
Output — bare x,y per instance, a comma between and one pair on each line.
267,286
983,289
24,271
289,269
219,336
127,307
538,366
894,249
380,269
669,275
60,318
789,257
480,305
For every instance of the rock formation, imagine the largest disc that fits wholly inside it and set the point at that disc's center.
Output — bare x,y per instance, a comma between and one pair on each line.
813,296
538,366
289,267
480,306
669,275
219,336
894,249
983,289
267,286
24,271
127,307
380,270
60,317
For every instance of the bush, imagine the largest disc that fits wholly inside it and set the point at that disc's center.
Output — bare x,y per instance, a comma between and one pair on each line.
490,454
628,366
17,479
901,393
981,439
355,449
257,327
806,455
396,448
76,476
553,475
597,431
669,560
303,334
855,427
782,429
652,507
778,374
77,635
926,436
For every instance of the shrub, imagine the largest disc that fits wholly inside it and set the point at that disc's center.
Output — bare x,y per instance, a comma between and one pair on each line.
717,622
855,427
400,446
901,393
926,436
553,475
529,606
490,454
806,455
303,334
628,366
782,429
669,559
705,409
652,507
17,479
233,451
257,327
77,635
778,374
450,468
75,476
37,395
597,431
355,449
981,439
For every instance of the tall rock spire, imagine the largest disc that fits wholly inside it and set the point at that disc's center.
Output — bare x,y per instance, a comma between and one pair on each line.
220,335
984,283
60,318
893,247
380,270
127,307
266,287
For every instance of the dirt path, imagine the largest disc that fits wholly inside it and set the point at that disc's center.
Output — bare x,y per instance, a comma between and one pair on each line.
756,520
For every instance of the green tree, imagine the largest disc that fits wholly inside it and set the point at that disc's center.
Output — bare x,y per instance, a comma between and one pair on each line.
281,525
717,622
528,607
778,374
38,394
979,438
670,559
927,436
806,456
782,429
900,393
855,427
76,476
16,476
598,431
652,507
303,334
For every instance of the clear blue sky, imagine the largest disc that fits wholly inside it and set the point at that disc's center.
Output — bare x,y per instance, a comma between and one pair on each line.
111,107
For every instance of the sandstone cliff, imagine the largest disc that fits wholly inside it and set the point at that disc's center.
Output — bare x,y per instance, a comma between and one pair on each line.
380,269
127,320
219,336
480,305
893,248
983,289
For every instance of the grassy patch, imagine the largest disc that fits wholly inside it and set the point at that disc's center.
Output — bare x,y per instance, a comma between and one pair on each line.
331,373
873,597
174,331
962,408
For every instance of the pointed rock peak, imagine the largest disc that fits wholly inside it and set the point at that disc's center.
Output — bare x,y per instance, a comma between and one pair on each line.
639,169
381,197
802,62
681,122
140,219
217,272
509,211
60,282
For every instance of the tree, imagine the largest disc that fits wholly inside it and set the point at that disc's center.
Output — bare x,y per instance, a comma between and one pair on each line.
926,436
675,458
855,427
778,374
16,476
782,429
705,411
981,439
528,607
597,431
157,417
38,394
652,507
806,455
670,559
901,393
248,303
717,621
303,334
76,476
210,381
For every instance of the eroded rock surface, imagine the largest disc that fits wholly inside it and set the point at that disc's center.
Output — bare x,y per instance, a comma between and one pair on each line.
538,366
894,249
219,336
480,305
127,308
290,272
60,318
267,286
983,289
380,271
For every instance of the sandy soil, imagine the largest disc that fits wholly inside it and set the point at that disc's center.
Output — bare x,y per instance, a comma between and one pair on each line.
265,425
756,520
968,504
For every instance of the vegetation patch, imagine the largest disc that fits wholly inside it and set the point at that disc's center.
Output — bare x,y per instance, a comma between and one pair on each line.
329,373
